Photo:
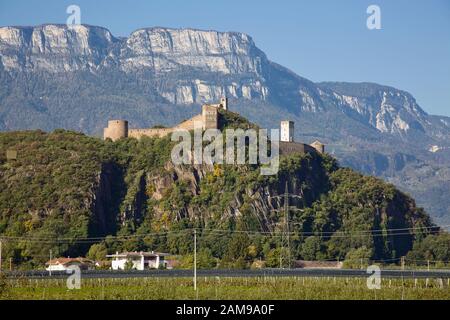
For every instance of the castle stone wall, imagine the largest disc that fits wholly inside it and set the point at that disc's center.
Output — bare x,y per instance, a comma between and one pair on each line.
189,124
208,119
319,146
287,148
160,133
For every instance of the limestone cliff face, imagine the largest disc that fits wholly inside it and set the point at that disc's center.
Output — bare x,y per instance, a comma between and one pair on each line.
57,49
170,49
165,51
385,109
54,48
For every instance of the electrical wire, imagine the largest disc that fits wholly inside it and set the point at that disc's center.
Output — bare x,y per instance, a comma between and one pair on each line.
337,234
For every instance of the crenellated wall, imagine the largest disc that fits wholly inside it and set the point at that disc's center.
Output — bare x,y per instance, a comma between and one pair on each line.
139,133
190,124
208,119
295,147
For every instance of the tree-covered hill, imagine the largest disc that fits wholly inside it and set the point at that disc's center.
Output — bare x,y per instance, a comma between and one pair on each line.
52,76
71,194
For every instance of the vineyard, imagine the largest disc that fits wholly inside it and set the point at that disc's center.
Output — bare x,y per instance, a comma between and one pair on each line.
258,288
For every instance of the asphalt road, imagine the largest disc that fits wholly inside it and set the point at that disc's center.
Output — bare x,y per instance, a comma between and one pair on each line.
235,273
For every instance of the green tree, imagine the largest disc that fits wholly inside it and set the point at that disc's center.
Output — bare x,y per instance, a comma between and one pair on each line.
97,252
433,248
237,255
129,265
205,260
357,258
311,248
273,258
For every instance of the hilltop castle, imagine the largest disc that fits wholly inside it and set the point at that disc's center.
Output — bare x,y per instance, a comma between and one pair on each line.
209,119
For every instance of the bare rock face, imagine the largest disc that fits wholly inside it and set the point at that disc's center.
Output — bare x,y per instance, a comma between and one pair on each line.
170,49
163,51
386,109
58,48
54,48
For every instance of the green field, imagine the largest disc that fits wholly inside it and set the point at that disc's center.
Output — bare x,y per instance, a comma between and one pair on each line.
225,289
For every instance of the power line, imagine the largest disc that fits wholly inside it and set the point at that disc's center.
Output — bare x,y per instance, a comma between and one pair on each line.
336,234
125,237
279,234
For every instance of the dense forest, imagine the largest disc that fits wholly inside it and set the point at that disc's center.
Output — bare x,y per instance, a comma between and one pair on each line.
78,195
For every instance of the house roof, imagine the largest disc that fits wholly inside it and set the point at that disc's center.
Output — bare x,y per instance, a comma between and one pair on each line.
317,264
137,254
65,261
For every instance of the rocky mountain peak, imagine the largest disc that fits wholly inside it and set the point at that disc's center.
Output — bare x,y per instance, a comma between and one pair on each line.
165,49
386,109
54,47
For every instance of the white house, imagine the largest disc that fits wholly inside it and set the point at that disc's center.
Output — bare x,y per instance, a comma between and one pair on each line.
138,260
63,264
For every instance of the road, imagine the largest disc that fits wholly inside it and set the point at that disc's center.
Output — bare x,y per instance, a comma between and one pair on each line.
411,274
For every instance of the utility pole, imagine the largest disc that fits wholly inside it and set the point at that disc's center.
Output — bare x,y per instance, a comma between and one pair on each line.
403,263
286,224
50,269
195,260
10,264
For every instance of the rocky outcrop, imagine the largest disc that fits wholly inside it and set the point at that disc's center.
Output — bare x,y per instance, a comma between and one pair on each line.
166,50
54,48
57,49
386,109
263,201
105,199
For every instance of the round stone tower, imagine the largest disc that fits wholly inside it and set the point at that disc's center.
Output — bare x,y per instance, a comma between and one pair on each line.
116,130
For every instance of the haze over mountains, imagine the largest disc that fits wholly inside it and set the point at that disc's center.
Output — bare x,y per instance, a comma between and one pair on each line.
78,78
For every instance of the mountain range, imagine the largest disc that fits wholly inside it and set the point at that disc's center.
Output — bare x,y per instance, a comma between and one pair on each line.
77,78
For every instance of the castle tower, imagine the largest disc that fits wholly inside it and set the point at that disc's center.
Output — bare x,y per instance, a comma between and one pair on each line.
287,131
224,103
210,117
117,129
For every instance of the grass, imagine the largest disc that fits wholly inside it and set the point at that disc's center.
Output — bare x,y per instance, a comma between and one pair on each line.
260,288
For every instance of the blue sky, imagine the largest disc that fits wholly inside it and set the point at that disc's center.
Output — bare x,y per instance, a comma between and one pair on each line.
320,40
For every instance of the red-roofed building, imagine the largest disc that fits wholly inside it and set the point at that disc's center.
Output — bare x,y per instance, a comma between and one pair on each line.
63,264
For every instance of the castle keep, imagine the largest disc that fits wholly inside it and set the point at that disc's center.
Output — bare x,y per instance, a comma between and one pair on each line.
209,119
